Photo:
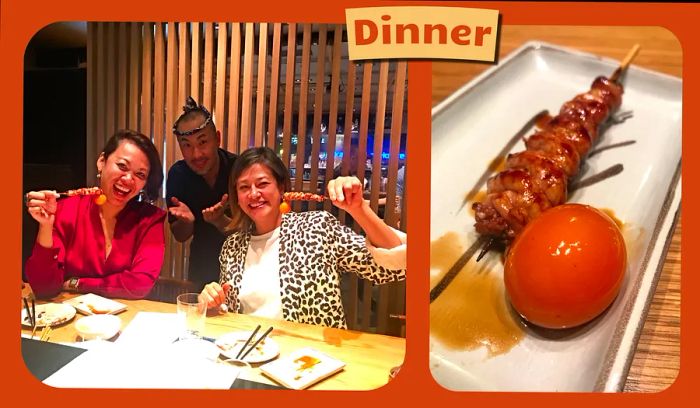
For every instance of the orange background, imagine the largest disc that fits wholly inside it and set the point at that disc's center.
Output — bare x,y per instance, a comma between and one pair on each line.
414,386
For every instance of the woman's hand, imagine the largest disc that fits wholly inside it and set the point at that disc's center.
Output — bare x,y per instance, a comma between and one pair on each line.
215,294
346,193
41,205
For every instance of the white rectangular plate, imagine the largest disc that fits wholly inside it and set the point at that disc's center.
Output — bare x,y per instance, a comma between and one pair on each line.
91,303
470,128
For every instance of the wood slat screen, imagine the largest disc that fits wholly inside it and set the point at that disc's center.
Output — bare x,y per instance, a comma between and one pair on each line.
287,86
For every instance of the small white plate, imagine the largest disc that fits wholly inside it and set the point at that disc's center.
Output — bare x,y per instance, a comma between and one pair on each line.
98,327
230,344
49,314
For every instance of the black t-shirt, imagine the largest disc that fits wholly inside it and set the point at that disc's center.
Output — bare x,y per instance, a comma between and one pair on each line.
193,190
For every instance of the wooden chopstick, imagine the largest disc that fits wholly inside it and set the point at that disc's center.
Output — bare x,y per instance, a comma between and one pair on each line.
248,341
257,342
30,315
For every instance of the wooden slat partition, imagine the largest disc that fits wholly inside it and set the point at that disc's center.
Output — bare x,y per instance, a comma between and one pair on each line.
121,74
159,121
195,60
234,80
111,83
247,101
274,84
347,127
333,108
260,93
353,285
147,80
289,94
219,111
91,120
183,83
177,252
395,291
376,182
268,80
363,322
303,95
319,90
134,73
208,64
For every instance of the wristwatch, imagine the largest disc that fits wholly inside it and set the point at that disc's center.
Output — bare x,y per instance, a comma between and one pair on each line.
73,284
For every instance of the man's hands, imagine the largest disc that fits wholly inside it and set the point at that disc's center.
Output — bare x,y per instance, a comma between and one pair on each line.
213,213
215,216
181,211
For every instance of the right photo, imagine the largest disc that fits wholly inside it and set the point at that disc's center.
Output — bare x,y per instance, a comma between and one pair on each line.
555,213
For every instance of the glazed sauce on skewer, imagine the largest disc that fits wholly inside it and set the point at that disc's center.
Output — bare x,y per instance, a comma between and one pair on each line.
472,311
543,120
478,197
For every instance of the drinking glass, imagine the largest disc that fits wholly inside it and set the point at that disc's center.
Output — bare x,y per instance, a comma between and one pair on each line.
191,312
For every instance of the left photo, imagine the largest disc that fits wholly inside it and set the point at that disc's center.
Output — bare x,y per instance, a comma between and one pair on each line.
225,199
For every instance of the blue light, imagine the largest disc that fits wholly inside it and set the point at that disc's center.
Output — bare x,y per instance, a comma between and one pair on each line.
402,156
385,155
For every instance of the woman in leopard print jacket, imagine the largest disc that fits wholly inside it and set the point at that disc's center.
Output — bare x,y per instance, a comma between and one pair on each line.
288,266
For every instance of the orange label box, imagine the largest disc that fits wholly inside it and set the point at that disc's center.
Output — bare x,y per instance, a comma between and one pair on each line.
422,32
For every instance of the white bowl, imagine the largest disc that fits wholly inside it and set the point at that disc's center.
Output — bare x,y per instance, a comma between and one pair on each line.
98,327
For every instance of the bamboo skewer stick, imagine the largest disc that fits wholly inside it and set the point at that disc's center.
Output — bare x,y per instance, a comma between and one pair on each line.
625,63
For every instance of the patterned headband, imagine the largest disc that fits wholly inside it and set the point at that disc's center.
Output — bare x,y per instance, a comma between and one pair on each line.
191,106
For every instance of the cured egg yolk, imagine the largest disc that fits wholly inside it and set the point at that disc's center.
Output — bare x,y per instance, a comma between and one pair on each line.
566,267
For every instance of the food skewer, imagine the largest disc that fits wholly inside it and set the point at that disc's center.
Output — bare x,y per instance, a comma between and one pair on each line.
81,191
298,196
536,179
301,196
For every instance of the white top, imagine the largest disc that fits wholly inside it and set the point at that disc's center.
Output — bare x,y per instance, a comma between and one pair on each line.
260,293
260,285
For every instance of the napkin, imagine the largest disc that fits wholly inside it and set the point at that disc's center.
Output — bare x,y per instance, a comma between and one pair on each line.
113,365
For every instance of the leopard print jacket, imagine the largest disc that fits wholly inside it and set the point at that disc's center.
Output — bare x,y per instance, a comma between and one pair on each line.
314,250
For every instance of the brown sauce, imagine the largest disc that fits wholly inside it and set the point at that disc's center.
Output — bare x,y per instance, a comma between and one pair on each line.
610,213
472,311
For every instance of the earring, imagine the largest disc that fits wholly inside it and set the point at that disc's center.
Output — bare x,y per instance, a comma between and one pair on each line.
101,198
284,207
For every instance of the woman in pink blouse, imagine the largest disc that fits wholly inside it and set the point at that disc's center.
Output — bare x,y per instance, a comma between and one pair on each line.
115,249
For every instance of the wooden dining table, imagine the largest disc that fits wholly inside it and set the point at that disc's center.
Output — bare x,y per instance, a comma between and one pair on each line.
657,358
369,357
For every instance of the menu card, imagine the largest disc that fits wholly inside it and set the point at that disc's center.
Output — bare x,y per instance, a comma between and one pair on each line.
302,368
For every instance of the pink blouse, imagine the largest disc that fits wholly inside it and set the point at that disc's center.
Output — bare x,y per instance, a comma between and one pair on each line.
78,250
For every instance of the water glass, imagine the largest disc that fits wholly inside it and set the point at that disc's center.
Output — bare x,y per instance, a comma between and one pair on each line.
191,312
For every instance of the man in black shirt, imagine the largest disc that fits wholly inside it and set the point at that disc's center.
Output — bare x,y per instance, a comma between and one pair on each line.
196,191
